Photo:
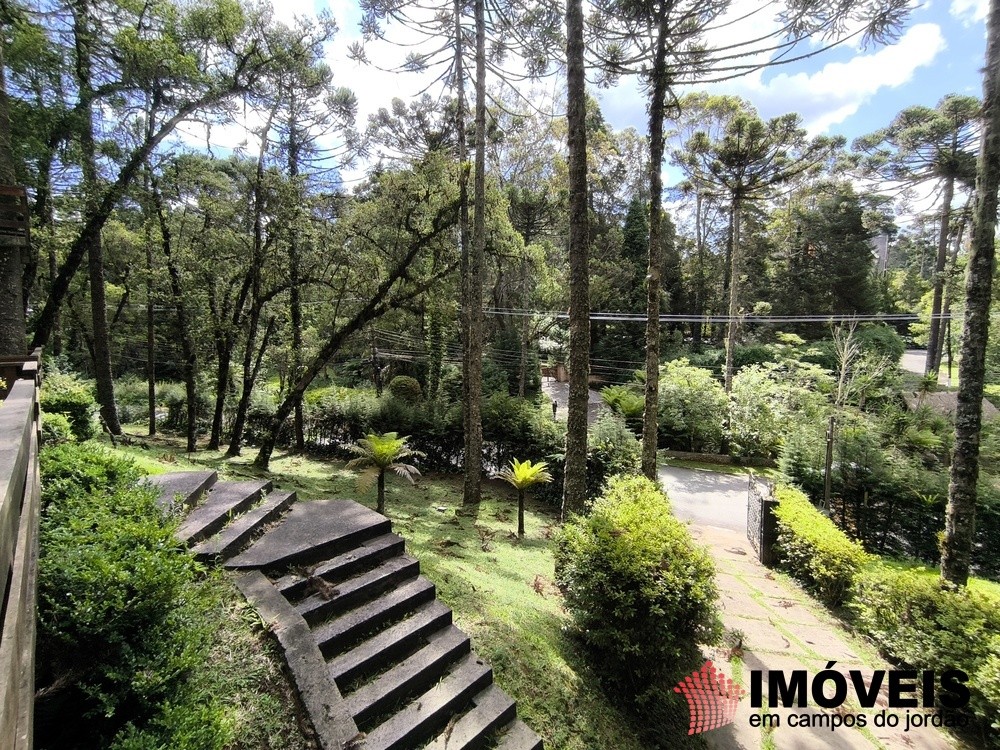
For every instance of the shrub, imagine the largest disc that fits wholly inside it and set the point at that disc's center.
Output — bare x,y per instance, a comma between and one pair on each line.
113,610
56,429
692,408
641,593
881,340
72,397
612,449
132,399
919,623
813,549
406,389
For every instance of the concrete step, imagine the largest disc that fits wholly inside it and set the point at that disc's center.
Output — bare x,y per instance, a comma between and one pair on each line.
518,736
409,676
430,712
227,499
312,533
348,594
182,489
235,536
491,709
381,650
335,636
368,555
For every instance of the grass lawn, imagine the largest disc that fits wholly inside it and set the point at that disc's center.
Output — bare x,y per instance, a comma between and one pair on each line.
980,585
501,590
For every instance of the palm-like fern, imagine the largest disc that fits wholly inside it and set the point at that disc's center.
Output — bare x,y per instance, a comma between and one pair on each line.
378,454
522,475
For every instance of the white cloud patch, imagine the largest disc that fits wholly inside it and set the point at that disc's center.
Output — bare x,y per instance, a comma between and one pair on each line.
836,91
969,11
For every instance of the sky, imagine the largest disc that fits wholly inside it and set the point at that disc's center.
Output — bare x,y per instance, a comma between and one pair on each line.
845,91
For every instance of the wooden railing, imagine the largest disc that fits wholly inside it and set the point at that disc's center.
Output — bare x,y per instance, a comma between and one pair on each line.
20,502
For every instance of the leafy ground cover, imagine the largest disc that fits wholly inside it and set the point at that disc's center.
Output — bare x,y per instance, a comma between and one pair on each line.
501,590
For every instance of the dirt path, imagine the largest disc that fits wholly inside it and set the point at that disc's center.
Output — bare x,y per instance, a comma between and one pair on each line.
777,627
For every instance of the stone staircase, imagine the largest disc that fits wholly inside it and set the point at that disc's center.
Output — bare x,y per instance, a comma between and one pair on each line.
375,657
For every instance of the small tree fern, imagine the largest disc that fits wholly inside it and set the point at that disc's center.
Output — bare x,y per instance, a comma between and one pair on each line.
522,475
378,454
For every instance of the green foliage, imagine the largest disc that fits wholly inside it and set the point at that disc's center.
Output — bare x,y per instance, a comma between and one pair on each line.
612,449
765,402
406,389
113,607
813,549
625,401
67,394
56,428
920,623
132,399
523,474
641,593
880,339
692,407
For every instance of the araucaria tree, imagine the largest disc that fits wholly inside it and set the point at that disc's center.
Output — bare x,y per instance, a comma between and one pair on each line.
960,525
920,146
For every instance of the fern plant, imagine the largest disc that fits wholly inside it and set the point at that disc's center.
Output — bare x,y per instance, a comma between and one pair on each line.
378,454
522,475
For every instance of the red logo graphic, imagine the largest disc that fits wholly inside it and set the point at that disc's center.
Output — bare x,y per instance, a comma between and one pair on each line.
712,698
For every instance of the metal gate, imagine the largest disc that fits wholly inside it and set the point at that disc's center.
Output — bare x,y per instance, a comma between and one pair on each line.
762,525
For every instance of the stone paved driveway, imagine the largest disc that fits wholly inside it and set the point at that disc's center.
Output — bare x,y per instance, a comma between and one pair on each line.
782,628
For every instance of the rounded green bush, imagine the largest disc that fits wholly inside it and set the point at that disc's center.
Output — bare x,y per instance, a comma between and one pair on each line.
56,429
70,396
405,389
641,593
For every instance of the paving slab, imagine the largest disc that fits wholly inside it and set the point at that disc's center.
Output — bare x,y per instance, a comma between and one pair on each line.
313,531
189,486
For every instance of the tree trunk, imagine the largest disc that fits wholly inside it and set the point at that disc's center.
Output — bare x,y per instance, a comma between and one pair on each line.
520,514
381,491
472,489
575,482
12,322
187,345
650,414
294,261
949,293
960,522
699,286
103,377
937,326
240,420
150,330
734,286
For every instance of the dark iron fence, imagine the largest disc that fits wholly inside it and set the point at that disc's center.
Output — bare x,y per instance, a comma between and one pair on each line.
762,525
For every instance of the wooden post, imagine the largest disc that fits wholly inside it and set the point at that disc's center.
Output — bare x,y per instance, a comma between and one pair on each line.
828,468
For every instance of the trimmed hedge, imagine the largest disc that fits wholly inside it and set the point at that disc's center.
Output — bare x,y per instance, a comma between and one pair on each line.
641,593
919,623
813,549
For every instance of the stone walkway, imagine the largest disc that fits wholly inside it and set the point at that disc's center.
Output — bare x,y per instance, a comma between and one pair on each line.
777,627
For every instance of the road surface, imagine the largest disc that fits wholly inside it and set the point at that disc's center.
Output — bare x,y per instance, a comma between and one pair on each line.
707,498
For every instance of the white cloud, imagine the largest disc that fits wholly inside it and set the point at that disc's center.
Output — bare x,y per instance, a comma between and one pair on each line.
836,91
969,11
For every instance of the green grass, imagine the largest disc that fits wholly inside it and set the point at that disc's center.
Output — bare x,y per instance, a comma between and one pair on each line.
981,585
502,590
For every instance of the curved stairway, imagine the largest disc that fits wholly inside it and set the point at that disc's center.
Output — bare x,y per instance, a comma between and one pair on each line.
375,657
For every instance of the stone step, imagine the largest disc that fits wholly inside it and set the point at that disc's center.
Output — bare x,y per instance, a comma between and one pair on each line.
235,536
430,712
354,591
518,736
492,708
335,636
226,500
312,533
182,489
409,676
380,650
365,557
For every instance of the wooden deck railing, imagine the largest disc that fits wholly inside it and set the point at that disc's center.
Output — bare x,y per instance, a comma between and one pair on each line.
20,501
